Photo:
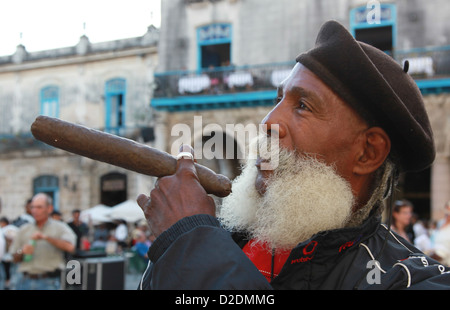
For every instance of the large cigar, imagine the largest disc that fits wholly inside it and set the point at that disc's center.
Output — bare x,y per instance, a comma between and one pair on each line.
119,151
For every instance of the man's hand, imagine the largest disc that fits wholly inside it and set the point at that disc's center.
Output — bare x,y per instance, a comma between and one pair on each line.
28,249
38,236
175,197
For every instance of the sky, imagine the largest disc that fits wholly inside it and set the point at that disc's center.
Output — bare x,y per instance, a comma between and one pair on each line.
48,24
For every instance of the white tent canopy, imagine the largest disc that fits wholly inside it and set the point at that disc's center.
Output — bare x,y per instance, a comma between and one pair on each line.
96,214
128,210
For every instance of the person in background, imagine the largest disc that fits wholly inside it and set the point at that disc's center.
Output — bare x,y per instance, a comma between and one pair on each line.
422,235
9,232
401,219
25,217
101,232
56,215
141,246
442,238
111,246
121,234
444,220
139,260
39,248
80,228
2,245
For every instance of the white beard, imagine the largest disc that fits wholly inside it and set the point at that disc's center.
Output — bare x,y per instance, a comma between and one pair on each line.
303,197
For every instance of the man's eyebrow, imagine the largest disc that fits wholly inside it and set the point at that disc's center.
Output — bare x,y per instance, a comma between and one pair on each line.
301,92
304,93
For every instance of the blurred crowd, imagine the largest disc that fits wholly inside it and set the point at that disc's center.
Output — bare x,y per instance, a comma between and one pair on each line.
134,239
93,239
430,237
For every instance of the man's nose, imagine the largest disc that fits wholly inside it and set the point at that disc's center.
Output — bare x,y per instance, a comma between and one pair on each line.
274,123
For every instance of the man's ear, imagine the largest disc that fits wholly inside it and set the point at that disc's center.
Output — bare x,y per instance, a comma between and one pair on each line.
376,146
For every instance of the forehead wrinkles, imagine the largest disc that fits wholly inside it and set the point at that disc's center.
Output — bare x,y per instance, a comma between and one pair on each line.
328,99
302,83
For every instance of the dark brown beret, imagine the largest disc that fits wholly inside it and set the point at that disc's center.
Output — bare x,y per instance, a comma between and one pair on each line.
378,88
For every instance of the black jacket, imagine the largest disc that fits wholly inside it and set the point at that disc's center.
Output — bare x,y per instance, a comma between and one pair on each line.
196,253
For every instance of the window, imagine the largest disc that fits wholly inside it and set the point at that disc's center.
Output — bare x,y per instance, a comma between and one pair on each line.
113,188
115,105
50,101
375,25
216,55
379,37
48,184
214,45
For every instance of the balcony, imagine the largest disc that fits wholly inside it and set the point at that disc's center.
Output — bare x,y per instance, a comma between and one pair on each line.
224,87
430,67
19,142
248,86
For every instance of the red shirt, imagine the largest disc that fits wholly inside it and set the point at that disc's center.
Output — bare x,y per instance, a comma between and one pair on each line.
261,257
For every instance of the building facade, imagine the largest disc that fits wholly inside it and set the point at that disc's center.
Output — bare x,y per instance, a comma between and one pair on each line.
206,76
220,62
105,86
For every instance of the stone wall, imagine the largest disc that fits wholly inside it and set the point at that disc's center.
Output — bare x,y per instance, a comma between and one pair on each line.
80,73
438,108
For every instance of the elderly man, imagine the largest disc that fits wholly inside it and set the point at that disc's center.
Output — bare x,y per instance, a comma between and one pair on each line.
348,119
39,247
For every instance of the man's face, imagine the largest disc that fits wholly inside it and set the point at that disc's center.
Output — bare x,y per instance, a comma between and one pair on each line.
313,120
404,215
76,216
310,189
39,208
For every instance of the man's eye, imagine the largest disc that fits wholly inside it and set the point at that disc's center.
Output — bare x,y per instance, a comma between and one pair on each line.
303,106
277,100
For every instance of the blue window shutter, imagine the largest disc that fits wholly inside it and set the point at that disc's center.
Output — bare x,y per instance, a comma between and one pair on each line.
50,101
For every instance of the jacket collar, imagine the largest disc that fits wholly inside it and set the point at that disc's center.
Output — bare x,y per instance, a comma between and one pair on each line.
326,243
334,242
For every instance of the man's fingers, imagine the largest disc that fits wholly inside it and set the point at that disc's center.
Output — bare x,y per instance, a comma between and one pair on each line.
185,160
143,201
186,152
